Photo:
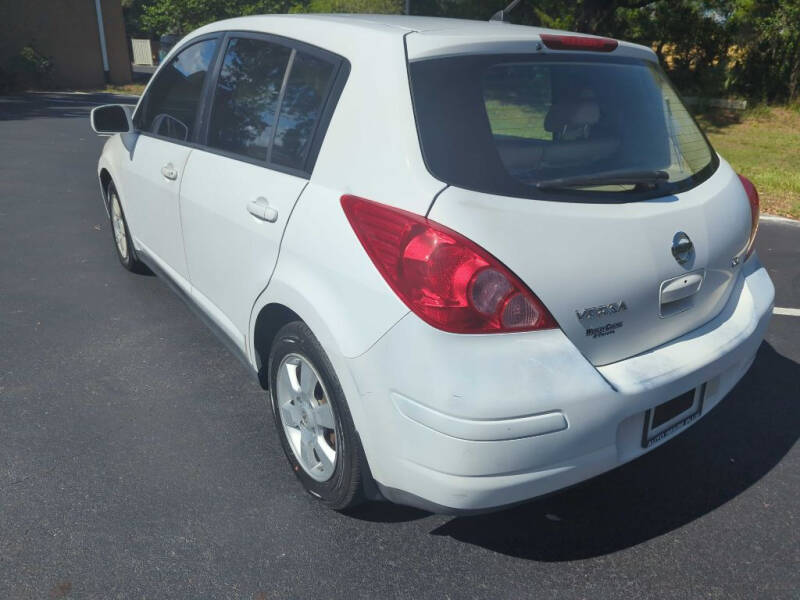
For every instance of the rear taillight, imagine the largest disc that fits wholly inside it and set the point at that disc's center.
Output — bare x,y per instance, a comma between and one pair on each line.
579,42
752,197
447,280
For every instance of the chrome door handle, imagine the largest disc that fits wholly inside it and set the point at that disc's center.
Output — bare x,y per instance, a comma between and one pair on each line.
169,171
261,209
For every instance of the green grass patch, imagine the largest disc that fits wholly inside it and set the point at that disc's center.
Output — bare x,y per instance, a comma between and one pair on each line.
131,89
518,120
128,89
764,145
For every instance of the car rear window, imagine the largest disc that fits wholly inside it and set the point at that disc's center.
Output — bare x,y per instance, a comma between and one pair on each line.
514,124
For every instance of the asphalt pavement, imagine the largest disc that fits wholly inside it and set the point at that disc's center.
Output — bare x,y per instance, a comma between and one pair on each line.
137,457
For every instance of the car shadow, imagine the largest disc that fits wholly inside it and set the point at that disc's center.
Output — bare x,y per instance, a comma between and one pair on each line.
386,512
724,454
716,120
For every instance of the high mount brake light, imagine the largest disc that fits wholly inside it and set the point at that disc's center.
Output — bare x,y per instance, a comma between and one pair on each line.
579,42
447,280
755,209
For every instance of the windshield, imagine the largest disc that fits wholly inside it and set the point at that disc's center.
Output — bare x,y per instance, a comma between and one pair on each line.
555,127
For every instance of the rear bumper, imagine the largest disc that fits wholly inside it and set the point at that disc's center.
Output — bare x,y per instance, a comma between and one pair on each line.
467,423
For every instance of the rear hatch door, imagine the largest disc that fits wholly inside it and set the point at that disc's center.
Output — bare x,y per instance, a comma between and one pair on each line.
600,269
584,173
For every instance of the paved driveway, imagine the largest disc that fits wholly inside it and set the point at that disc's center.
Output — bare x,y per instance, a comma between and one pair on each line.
137,458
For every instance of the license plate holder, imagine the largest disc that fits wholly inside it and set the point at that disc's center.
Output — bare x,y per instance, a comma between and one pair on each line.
662,421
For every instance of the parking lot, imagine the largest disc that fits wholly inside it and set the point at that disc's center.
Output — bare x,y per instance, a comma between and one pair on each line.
138,459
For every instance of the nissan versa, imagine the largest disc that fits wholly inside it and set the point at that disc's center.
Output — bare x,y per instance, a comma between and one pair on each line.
471,262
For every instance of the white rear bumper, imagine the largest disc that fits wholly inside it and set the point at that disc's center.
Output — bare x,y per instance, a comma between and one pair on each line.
460,423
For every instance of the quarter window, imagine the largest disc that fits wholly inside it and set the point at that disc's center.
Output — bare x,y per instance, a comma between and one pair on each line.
246,97
170,107
305,94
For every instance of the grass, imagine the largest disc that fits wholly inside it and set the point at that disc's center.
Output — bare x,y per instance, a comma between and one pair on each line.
519,120
131,89
764,145
128,89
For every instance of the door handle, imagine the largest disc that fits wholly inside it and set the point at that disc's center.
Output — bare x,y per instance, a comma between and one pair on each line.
261,210
169,171
681,287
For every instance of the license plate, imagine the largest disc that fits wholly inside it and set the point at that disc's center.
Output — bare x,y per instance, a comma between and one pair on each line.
666,419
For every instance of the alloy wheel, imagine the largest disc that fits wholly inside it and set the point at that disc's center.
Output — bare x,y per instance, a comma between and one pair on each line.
307,416
120,235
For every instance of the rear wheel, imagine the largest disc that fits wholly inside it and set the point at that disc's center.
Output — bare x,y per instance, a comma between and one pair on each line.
312,418
122,237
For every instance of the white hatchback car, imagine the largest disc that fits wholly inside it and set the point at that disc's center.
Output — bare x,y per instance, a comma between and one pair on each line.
472,262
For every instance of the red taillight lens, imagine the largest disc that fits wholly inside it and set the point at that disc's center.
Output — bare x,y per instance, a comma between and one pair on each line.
755,208
447,280
579,42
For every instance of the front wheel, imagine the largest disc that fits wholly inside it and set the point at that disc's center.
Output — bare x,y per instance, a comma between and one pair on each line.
313,420
122,236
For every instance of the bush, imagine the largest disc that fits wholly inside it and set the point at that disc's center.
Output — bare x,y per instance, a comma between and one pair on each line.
27,67
356,6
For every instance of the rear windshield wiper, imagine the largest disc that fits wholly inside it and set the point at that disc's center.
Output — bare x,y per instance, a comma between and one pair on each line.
639,178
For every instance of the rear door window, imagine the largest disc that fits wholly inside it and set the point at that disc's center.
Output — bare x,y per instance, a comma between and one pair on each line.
306,91
170,107
246,97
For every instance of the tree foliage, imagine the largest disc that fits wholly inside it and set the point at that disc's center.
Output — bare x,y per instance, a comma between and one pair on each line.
766,60
710,47
386,7
159,17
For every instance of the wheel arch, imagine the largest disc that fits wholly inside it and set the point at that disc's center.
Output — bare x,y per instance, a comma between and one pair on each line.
105,179
271,317
269,321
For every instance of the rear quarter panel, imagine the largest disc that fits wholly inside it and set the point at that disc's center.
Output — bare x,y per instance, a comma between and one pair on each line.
370,150
324,275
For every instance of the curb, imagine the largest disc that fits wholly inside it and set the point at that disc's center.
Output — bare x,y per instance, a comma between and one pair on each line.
777,219
81,97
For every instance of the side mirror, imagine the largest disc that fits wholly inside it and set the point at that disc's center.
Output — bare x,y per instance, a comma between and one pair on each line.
111,118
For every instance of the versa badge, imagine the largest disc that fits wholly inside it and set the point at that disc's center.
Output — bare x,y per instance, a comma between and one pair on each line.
598,312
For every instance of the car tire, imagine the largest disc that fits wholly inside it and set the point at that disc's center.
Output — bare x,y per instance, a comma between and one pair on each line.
121,233
313,420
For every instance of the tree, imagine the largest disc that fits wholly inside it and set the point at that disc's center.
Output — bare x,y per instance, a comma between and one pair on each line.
352,6
544,13
158,17
766,61
690,38
709,47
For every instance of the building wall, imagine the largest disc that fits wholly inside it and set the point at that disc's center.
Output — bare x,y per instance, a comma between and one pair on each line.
66,32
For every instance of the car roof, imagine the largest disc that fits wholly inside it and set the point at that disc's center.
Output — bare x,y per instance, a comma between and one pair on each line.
347,34
389,24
